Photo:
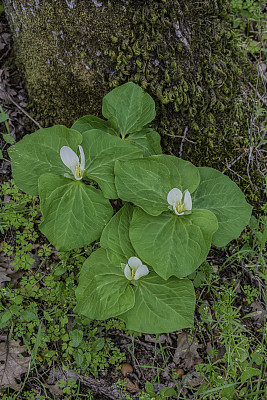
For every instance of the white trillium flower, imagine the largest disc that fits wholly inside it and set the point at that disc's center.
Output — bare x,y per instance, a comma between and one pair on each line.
179,201
135,269
71,160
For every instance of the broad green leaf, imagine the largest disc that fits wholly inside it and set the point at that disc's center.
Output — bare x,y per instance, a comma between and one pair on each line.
101,151
146,182
161,306
76,337
89,122
98,344
103,291
115,236
249,373
79,357
173,244
39,153
148,140
168,392
8,138
217,193
149,388
28,316
74,213
263,239
5,316
131,106
3,117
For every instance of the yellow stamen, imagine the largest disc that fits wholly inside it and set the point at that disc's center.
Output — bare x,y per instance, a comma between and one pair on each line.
133,274
78,170
180,207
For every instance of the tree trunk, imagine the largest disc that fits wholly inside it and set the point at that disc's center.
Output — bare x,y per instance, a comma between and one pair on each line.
182,52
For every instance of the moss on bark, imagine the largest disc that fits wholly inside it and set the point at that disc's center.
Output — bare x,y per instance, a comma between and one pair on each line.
182,52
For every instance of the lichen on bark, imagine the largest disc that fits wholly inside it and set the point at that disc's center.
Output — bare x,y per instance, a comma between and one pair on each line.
183,53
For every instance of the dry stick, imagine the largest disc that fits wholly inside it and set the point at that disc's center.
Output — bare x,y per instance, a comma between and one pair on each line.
239,176
178,136
257,150
261,140
8,97
257,93
251,128
228,166
182,142
137,340
98,386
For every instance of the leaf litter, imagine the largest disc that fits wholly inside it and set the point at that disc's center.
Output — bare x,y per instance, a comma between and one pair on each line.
5,270
11,365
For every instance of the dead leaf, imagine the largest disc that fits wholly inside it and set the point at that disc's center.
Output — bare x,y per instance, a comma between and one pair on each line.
12,366
54,389
193,380
3,276
153,339
132,387
186,352
5,269
7,199
57,374
258,312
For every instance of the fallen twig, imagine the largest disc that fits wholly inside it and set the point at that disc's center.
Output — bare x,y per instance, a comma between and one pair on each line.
182,142
180,137
9,98
257,93
99,386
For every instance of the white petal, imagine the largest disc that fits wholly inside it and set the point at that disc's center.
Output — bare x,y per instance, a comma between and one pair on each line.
141,271
69,158
134,262
176,212
128,272
187,201
174,196
82,157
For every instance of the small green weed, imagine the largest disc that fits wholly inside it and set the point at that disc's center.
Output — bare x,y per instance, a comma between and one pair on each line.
4,118
248,17
69,387
148,394
18,212
251,293
38,308
27,395
239,368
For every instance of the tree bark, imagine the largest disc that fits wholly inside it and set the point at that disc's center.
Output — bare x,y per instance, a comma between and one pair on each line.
182,52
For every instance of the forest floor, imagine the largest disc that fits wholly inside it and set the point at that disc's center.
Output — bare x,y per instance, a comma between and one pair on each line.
48,351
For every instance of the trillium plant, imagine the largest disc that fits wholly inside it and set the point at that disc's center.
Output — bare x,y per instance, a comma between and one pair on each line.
173,211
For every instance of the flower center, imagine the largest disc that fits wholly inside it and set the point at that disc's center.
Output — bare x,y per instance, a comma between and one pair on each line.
78,170
133,274
180,207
